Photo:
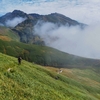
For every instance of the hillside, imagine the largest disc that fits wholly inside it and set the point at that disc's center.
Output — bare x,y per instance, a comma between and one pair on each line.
33,82
45,55
7,34
10,44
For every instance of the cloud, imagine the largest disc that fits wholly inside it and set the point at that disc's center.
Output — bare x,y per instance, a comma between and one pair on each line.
85,11
73,40
14,22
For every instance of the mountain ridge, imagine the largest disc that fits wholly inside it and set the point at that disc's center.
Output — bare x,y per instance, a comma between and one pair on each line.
25,28
11,16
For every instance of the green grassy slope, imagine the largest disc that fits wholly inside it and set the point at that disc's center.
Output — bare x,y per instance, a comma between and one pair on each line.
7,34
44,55
10,45
33,82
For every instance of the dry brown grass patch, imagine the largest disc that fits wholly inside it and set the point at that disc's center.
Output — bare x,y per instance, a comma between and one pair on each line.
5,38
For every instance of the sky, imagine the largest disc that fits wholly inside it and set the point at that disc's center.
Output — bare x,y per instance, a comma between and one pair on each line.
72,40
86,11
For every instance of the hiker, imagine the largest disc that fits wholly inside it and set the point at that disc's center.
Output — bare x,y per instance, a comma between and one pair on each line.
19,60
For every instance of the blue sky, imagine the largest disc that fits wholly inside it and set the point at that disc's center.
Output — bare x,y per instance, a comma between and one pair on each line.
86,11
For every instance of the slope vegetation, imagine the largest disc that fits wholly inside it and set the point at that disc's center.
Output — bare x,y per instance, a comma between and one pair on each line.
7,34
10,44
32,82
45,55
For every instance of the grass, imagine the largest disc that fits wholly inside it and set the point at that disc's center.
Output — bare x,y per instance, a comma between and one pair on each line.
7,34
30,81
45,55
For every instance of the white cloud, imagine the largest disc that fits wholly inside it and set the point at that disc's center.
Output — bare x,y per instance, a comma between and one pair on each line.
14,22
72,40
86,11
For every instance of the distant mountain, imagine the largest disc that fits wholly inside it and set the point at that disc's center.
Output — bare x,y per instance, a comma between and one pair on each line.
23,24
12,15
56,18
